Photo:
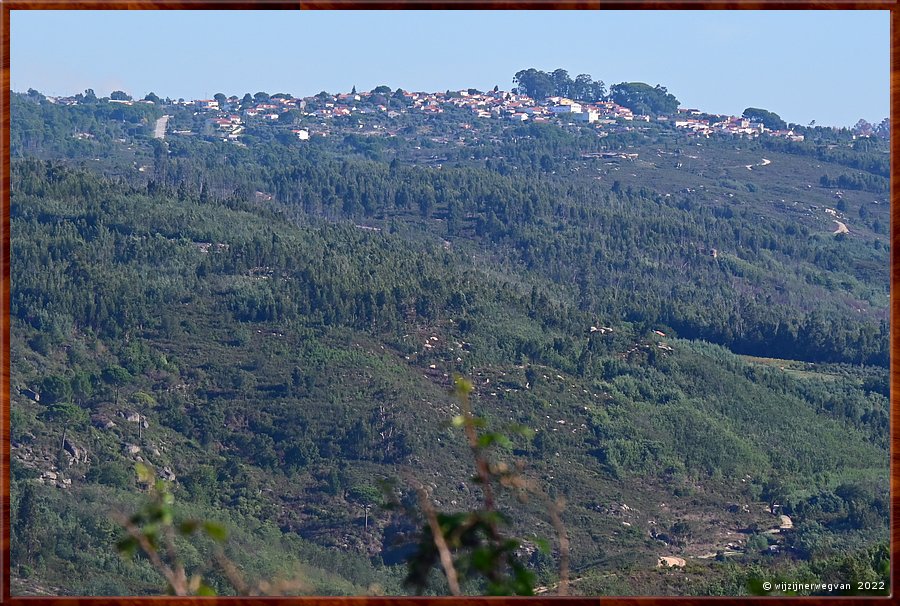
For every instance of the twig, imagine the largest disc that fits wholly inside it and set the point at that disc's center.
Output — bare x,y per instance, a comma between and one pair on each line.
481,465
439,542
179,571
555,508
178,585
232,573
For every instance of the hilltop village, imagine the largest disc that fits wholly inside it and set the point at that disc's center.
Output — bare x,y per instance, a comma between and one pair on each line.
228,118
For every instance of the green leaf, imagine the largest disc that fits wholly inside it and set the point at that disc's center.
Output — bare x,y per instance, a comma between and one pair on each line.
215,531
188,526
522,430
523,581
477,422
486,440
462,386
152,535
510,544
755,587
543,545
482,560
127,546
205,590
145,474
503,441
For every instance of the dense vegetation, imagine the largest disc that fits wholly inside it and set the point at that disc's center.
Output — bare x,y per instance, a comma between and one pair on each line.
275,326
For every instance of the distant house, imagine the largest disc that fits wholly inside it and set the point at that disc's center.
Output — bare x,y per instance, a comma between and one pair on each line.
220,123
302,134
567,108
787,134
206,104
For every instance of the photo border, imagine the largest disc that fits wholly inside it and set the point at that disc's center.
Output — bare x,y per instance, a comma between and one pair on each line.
9,5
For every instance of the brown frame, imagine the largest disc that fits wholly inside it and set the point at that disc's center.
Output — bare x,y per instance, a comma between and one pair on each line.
8,5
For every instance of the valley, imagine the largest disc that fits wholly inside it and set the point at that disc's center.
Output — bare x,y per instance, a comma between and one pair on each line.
274,325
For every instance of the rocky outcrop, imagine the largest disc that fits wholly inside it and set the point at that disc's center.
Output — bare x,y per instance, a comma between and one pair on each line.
76,454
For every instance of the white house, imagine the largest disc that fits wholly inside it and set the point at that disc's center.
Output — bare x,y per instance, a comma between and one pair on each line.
569,108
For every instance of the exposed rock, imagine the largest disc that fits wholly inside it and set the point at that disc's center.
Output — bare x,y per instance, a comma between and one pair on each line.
133,417
78,455
132,449
101,422
671,562
31,394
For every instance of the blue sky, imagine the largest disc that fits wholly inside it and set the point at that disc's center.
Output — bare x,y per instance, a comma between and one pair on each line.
828,66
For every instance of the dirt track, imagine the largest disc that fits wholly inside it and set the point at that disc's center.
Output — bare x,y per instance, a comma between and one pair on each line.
159,130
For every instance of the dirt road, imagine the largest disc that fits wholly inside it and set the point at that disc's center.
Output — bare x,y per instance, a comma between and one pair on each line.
159,131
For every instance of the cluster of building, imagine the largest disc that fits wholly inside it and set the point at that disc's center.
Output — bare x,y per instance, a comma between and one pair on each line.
520,108
229,114
230,127
727,125
501,105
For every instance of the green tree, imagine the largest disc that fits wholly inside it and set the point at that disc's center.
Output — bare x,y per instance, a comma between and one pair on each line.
534,83
55,388
644,99
769,119
116,376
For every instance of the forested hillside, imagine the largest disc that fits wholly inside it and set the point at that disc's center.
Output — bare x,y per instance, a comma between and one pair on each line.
274,326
